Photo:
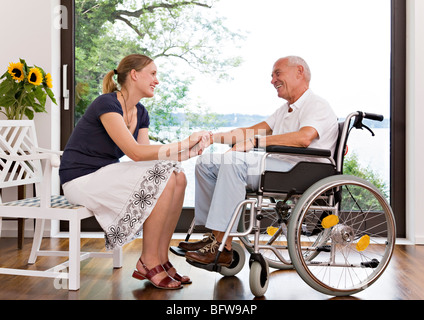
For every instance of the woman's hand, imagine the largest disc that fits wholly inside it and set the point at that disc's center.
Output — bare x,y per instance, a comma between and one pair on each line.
198,149
190,147
196,137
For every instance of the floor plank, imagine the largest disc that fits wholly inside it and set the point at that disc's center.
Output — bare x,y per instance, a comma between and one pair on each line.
403,279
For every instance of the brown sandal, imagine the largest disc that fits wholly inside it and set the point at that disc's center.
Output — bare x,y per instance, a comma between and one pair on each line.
176,276
151,273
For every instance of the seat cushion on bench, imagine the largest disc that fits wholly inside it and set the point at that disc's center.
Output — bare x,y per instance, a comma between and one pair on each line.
56,202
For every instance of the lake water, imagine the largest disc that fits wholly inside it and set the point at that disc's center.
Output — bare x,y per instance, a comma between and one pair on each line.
372,152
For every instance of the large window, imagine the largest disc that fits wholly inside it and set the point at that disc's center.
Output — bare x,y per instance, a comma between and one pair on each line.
215,60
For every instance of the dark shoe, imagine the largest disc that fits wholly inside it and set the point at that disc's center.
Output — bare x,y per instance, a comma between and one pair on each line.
208,253
193,246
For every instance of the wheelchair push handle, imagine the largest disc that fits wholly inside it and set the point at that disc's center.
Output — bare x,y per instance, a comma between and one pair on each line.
373,116
359,116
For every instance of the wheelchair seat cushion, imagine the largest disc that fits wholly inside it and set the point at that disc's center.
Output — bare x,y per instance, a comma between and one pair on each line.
300,177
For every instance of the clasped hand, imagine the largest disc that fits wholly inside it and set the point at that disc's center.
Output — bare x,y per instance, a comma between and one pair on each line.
198,142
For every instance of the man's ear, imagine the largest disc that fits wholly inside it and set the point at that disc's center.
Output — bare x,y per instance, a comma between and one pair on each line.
300,71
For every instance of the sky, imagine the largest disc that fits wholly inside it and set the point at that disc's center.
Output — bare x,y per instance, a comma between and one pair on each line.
346,44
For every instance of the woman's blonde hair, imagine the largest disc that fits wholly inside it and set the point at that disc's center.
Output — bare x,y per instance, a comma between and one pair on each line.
133,61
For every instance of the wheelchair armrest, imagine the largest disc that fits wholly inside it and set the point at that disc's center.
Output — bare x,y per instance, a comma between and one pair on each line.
299,151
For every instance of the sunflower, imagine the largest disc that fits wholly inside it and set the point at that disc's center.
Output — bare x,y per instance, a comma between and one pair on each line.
16,70
49,82
35,76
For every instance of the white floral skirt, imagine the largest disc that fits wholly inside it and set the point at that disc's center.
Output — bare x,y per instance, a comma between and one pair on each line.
122,196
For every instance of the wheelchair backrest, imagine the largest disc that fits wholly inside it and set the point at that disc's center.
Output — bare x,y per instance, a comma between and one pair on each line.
340,150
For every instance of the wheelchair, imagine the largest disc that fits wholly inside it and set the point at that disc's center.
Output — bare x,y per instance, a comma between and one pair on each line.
337,231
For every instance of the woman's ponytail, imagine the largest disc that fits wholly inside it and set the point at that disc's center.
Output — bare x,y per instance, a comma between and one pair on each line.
109,85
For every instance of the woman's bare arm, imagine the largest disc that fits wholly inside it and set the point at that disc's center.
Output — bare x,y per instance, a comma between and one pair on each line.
118,132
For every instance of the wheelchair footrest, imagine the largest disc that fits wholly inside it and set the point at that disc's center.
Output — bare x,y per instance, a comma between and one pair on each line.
370,264
324,249
178,251
209,267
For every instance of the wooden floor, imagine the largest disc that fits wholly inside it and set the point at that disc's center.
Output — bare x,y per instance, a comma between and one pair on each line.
403,280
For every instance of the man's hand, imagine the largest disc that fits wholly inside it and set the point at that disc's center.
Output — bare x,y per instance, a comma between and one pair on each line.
203,142
244,146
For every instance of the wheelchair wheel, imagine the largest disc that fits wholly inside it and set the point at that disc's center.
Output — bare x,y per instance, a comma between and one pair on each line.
273,233
258,278
237,265
350,224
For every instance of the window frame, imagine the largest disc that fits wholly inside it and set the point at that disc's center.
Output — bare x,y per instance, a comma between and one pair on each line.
398,116
67,56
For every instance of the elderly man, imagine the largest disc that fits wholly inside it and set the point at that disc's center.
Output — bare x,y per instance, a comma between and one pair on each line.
305,120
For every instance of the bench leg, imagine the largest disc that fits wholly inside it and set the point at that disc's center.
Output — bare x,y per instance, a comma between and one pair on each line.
36,242
74,254
117,258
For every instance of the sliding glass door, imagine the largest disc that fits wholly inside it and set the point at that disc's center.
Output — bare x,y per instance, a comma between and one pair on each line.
215,60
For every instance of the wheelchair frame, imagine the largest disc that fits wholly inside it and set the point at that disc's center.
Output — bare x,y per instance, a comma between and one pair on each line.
332,177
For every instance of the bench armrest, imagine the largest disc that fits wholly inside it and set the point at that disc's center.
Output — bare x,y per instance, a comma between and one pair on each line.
54,158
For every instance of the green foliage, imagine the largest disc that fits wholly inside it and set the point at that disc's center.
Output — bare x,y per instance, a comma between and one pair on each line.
353,196
171,31
352,167
19,95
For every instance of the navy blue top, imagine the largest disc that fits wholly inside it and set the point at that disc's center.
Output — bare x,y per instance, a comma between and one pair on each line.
90,148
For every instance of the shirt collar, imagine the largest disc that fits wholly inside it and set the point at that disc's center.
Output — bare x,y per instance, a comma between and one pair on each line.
301,101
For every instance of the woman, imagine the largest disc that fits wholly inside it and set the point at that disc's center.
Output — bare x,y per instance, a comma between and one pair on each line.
125,197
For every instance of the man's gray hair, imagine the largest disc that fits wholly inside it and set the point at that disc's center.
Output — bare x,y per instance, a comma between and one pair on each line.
295,61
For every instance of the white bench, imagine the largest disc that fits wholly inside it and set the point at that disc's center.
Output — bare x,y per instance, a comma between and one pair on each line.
22,163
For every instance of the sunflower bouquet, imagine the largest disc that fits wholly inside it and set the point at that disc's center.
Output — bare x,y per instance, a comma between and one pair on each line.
24,91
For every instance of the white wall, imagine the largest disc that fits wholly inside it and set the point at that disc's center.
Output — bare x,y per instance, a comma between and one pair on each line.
27,31
36,38
414,125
